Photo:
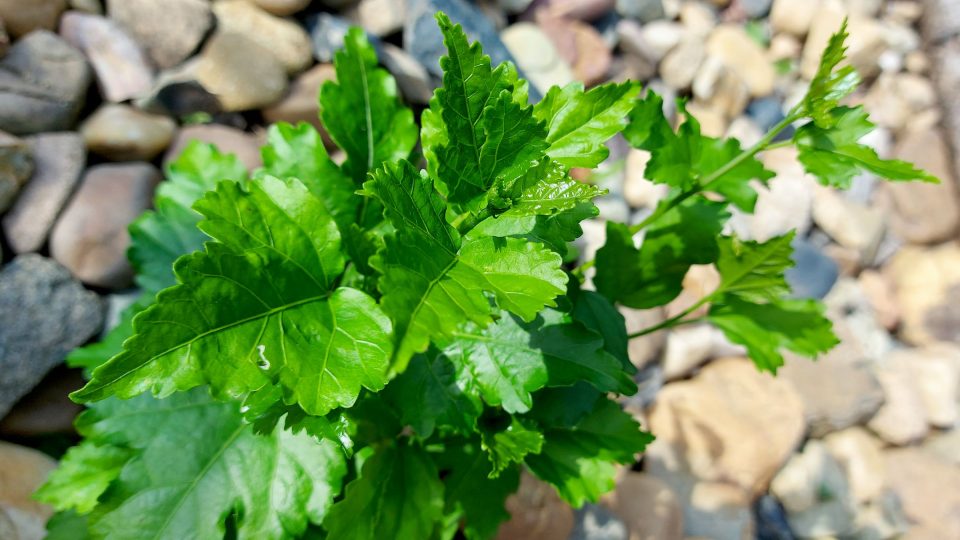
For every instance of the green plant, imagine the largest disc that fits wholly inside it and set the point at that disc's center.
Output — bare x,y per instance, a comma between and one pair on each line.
370,350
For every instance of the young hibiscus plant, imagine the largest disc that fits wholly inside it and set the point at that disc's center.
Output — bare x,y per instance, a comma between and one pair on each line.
378,348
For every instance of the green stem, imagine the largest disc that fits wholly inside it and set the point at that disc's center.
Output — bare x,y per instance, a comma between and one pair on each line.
676,320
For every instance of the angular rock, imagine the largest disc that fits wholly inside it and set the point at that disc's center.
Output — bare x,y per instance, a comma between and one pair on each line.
228,139
285,39
44,314
903,417
16,166
282,7
22,17
647,506
414,82
860,454
929,490
169,31
90,239
927,285
536,55
814,491
379,17
122,133
177,92
730,423
300,104
536,512
925,213
240,72
22,471
43,83
122,68
58,160
742,55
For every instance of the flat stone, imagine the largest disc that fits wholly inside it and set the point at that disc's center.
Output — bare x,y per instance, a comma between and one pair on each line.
240,72
169,31
285,39
122,68
379,17
44,314
929,490
648,507
122,133
16,166
43,83
740,53
300,104
58,160
730,423
282,7
20,17
227,139
536,513
90,239
536,55
927,286
22,471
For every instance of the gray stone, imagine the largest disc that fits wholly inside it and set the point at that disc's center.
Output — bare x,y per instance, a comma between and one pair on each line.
170,31
58,160
756,9
16,166
412,78
771,519
596,523
43,83
91,238
327,32
122,68
813,273
642,10
44,314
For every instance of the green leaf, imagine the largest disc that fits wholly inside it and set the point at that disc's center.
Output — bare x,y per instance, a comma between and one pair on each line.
84,474
291,482
362,111
579,123
735,184
595,312
510,445
198,169
653,274
67,526
797,325
580,459
830,84
510,359
472,493
257,307
835,157
490,138
432,283
398,495
755,271
433,393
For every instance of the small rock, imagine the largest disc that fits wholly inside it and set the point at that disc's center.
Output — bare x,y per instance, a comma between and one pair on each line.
22,17
514,7
327,33
786,203
720,89
935,372
94,7
177,92
713,510
581,47
122,133
927,285
536,513
771,519
597,523
282,7
879,292
860,454
637,190
58,160
766,112
813,273
91,238
925,213
379,17
16,166
286,40
855,322
227,139
648,507
686,349
730,423
643,350
814,491
536,56
412,78
22,471
903,417
784,47
4,40
122,69
744,130
240,72
169,31
917,62
652,41
642,10
755,9
864,47
852,225
945,446
581,10
43,83
713,123
739,52
47,410
929,490
698,18
699,281
680,65
300,104
44,314
793,17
